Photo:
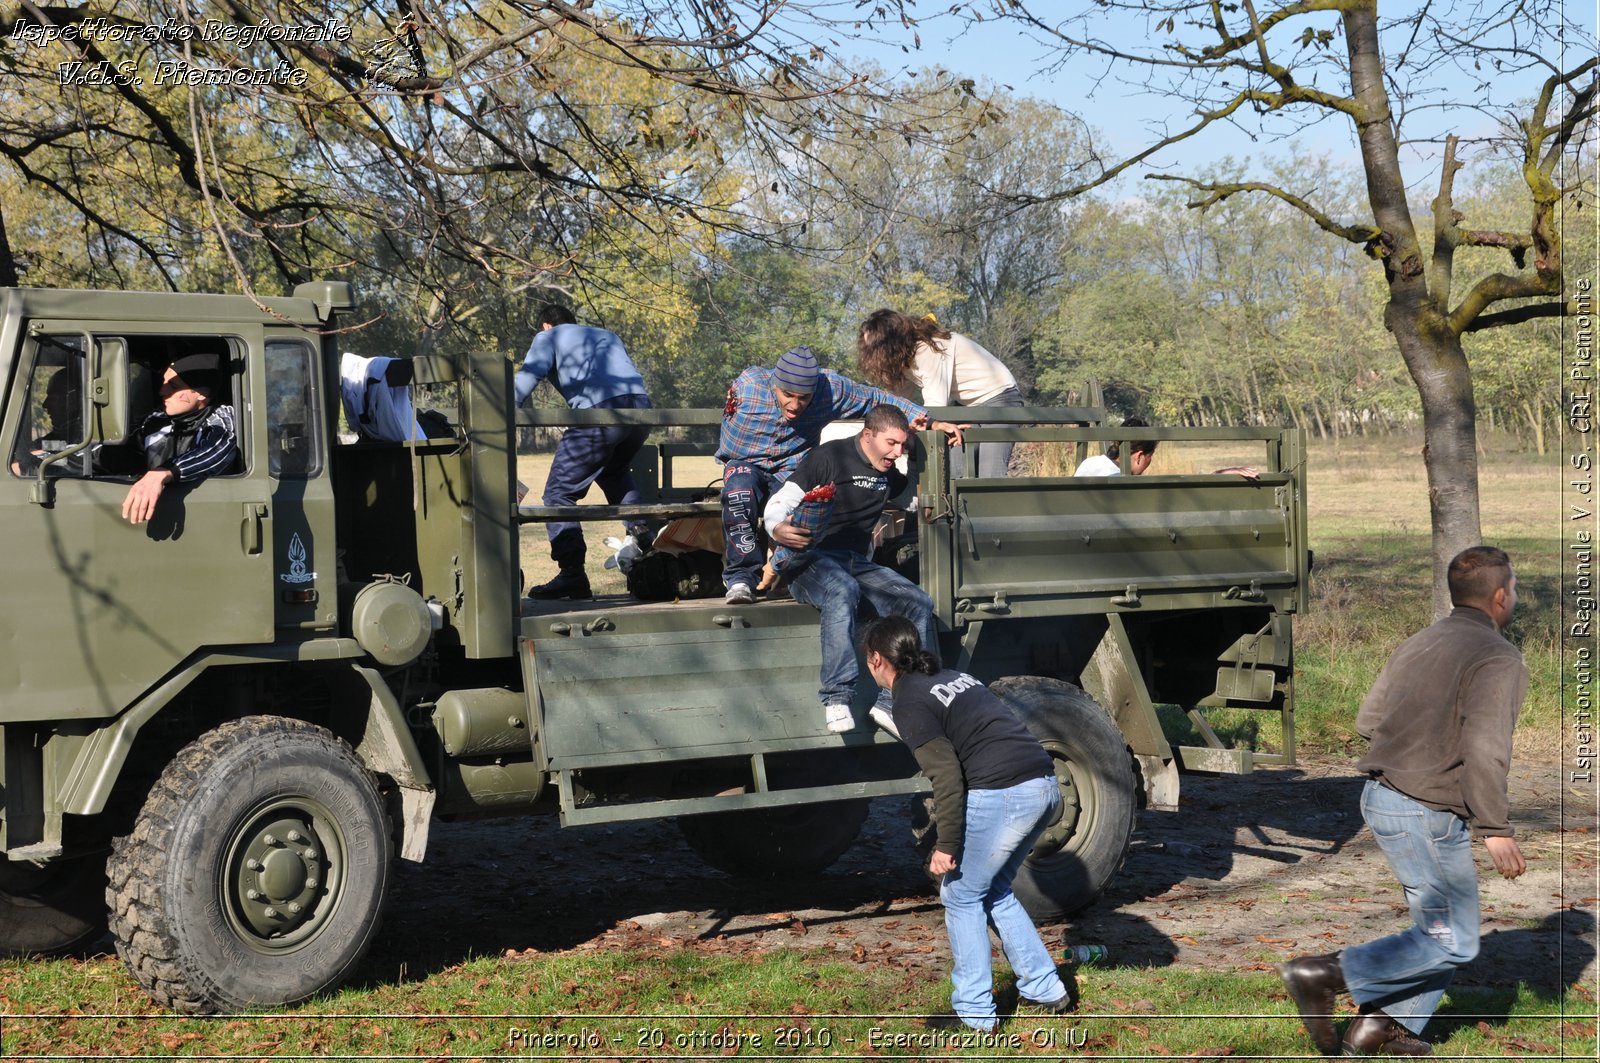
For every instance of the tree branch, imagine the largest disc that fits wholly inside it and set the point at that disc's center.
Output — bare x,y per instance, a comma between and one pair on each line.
92,215
1580,111
1517,315
1544,237
1446,233
1498,287
1219,191
1515,243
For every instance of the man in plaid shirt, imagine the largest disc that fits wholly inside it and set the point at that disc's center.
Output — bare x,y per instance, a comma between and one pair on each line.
773,418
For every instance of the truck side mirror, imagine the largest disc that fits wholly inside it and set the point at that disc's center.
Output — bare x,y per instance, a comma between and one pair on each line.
108,392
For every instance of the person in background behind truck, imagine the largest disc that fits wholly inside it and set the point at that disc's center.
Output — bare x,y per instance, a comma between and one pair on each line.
900,352
1439,718
186,440
1139,457
836,571
772,419
1106,464
994,793
591,369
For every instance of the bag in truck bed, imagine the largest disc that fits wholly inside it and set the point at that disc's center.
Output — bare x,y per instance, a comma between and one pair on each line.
660,576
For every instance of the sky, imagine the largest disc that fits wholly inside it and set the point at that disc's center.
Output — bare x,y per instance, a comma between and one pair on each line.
1004,54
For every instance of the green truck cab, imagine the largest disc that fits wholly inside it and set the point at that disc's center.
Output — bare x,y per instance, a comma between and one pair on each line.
220,729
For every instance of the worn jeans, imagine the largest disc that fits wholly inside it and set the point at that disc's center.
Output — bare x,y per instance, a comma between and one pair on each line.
1405,974
993,459
1002,826
587,455
835,583
745,490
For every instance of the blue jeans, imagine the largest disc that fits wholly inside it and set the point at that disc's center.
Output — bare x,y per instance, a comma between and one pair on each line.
593,454
745,490
1002,826
993,459
1405,974
835,583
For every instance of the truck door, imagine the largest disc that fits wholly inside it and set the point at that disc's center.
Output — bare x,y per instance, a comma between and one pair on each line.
102,609
304,571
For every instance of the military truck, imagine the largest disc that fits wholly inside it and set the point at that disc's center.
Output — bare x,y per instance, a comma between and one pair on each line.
219,729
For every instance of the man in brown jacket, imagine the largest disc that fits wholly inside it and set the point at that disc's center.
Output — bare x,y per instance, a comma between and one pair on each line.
1439,719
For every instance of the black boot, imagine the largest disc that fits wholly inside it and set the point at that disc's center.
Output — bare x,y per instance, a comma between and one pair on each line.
570,583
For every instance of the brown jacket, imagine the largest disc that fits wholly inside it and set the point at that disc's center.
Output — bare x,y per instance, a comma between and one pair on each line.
1440,718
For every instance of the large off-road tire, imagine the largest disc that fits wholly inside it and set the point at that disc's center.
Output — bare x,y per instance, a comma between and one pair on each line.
256,872
52,908
768,843
1083,849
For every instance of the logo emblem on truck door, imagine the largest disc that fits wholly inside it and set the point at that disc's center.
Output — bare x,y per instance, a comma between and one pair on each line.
297,563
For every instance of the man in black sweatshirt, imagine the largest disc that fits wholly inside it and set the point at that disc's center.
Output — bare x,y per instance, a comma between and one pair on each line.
834,571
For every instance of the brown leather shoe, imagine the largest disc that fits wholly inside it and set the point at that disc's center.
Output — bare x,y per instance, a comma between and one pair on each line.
1313,982
1375,1034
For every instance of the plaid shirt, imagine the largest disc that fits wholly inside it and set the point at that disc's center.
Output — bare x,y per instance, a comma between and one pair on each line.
756,432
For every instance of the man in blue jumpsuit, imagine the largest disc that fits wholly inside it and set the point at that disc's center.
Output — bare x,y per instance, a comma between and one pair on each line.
591,369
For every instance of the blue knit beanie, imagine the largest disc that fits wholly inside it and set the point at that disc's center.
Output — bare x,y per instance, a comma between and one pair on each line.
797,371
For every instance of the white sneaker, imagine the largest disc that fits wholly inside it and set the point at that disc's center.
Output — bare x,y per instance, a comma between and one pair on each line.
884,718
839,718
739,594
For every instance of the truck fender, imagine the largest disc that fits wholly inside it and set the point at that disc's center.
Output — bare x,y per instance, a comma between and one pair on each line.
386,747
1159,780
379,736
1114,679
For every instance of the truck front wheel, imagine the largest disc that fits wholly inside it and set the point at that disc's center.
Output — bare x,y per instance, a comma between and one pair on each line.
256,872
1084,848
46,909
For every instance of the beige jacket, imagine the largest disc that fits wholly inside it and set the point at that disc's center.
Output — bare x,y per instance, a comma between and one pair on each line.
958,372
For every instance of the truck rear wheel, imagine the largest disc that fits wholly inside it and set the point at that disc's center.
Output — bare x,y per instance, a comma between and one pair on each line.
256,872
51,908
768,842
1084,848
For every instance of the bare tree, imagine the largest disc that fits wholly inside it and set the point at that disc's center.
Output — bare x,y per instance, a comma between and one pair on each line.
445,145
1430,76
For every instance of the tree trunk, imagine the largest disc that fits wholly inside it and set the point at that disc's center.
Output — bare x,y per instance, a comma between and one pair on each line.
8,261
1432,352
1316,416
1450,445
1533,410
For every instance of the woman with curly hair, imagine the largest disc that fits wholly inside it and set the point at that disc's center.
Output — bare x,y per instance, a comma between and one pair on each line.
899,352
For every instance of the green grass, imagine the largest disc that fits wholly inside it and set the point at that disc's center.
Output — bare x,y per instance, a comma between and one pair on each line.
666,1002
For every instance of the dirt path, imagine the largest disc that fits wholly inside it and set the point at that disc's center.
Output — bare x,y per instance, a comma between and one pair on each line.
1251,870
